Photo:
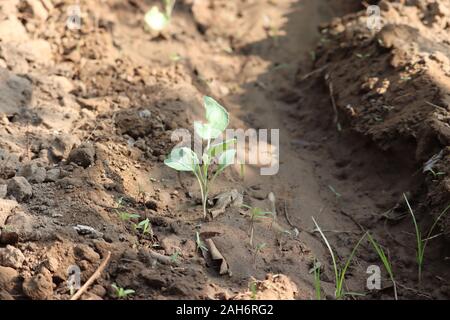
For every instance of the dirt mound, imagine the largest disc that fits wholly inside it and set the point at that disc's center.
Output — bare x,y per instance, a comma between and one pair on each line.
398,90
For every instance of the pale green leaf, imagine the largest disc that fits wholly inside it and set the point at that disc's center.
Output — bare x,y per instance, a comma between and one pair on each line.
216,115
226,159
182,159
218,148
206,131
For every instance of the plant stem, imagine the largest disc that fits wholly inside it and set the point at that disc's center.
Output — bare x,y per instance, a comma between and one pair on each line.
203,190
204,202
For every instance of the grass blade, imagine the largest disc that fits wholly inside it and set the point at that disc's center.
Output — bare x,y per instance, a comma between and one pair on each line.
385,260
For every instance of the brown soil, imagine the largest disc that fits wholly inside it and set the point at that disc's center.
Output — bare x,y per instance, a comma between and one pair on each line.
86,117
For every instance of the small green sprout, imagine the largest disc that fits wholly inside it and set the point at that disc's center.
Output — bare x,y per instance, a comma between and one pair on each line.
120,202
337,194
387,264
126,216
422,242
157,20
259,248
175,57
184,159
255,214
174,257
122,293
405,78
242,171
436,174
339,272
253,290
317,285
363,56
200,244
145,226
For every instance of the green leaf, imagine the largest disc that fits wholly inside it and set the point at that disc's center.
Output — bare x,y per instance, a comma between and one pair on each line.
216,115
206,131
182,159
218,148
217,118
128,292
226,159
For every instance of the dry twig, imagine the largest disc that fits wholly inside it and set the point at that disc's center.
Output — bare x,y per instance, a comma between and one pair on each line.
94,277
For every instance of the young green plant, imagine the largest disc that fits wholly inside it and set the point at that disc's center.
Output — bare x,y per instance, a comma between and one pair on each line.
184,159
317,285
255,214
258,249
144,226
126,216
122,293
200,244
339,272
174,257
387,264
422,242
253,290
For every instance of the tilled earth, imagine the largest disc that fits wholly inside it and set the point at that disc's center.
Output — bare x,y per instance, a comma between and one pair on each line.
86,118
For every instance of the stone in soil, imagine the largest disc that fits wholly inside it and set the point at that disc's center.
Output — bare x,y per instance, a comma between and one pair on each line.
85,252
21,223
13,30
40,286
11,257
14,91
153,280
83,155
20,189
8,277
53,175
6,209
33,173
61,146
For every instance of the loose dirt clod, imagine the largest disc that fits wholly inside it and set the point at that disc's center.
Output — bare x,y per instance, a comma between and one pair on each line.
20,189
84,155
40,286
11,257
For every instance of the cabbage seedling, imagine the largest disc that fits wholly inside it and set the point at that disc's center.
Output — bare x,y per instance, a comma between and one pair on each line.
184,159
157,20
